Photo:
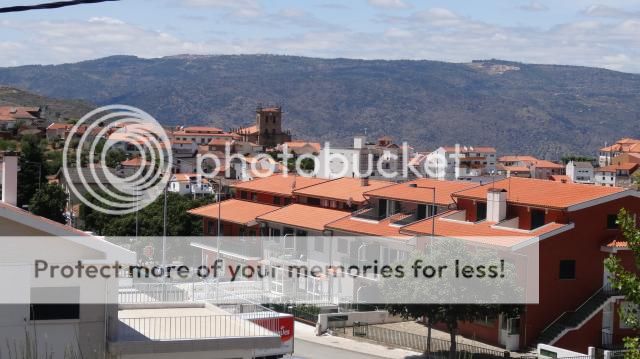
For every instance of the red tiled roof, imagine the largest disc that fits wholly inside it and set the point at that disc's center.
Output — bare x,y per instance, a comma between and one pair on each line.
542,193
342,189
201,129
369,228
517,158
301,216
546,164
422,193
278,184
134,162
299,144
480,232
17,112
614,168
234,211
560,178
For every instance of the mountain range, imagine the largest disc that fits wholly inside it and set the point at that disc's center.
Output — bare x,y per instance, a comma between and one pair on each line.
544,110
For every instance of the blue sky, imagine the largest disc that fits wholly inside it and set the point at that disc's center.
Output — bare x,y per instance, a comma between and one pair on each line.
576,32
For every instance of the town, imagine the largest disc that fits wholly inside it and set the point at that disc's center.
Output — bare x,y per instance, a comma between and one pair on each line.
242,204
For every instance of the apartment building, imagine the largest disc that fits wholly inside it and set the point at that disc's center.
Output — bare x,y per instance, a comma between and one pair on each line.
511,213
466,161
529,167
364,159
620,175
580,172
560,217
622,146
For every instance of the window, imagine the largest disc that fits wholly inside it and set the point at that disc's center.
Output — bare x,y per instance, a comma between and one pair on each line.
481,211
287,201
343,245
611,221
537,218
254,197
318,244
568,269
275,235
243,195
276,200
69,310
313,201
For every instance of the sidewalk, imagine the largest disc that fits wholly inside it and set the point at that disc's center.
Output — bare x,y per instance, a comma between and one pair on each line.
307,333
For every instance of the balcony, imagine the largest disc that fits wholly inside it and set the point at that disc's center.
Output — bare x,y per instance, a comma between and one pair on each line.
191,328
368,214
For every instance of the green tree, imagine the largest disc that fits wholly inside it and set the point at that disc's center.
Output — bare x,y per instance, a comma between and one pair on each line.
31,175
628,282
49,202
114,157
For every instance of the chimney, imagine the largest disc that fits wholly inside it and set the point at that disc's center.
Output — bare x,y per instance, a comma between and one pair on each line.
359,141
364,181
10,178
496,204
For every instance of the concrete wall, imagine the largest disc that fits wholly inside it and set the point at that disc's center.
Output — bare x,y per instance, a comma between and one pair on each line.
375,317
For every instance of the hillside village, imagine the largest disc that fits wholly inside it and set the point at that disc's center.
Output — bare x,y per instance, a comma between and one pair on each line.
478,194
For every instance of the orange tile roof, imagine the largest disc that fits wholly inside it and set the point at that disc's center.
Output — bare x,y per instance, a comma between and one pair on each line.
299,144
182,141
404,192
234,211
369,228
17,112
480,232
618,244
302,216
614,168
516,158
134,162
546,164
202,129
278,184
59,126
542,193
342,189
561,178
516,169
248,130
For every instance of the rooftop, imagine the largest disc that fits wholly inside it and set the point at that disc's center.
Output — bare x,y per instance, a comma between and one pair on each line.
480,149
342,189
480,232
278,184
382,228
422,193
234,211
542,193
301,216
517,158
615,168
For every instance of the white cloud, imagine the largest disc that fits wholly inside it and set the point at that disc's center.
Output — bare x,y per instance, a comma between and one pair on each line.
599,10
437,34
534,6
389,4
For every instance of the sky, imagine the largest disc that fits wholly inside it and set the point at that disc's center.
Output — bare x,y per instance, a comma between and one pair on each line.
572,32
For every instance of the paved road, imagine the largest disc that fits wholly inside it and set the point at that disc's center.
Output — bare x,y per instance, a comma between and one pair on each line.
308,350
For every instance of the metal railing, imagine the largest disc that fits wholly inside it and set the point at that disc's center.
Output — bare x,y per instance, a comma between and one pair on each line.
439,348
196,327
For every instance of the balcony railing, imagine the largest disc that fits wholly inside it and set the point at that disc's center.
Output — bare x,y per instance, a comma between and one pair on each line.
196,327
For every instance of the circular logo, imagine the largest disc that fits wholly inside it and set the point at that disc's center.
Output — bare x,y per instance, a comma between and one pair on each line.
112,132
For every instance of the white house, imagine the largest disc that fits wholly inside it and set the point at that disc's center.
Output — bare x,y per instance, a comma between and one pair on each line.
580,172
190,184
